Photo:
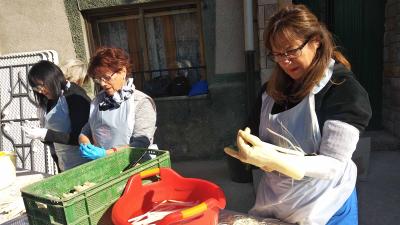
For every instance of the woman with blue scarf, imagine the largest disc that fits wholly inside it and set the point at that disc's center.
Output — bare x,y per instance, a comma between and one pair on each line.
120,116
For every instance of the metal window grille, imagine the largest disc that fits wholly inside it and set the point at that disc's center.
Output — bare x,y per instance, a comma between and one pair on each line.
17,108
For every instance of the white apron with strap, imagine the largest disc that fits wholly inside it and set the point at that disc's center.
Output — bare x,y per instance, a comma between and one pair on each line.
310,200
57,119
113,127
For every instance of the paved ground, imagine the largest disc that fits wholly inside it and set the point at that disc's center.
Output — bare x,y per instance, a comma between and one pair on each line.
239,196
379,194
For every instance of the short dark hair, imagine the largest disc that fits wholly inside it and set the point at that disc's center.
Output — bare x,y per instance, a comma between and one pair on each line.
51,76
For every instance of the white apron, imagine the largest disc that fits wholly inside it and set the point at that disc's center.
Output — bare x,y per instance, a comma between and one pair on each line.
113,127
310,200
57,119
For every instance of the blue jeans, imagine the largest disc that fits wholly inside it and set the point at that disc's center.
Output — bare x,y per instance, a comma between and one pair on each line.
348,214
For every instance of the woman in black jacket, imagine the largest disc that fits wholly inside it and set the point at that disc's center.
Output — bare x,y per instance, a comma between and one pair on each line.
64,110
307,125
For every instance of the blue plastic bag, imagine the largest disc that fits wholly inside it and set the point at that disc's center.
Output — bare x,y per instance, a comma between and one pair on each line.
199,88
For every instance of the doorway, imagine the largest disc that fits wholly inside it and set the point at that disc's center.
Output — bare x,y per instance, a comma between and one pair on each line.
358,29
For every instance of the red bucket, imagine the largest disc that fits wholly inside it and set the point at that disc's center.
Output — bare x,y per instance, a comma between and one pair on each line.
138,199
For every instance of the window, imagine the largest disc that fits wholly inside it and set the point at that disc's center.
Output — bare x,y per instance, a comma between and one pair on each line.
164,40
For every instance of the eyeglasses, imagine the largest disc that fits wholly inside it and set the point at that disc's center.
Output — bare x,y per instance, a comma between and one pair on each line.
38,88
106,79
289,54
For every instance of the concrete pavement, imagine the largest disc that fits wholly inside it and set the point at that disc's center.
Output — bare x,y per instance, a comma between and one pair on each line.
378,194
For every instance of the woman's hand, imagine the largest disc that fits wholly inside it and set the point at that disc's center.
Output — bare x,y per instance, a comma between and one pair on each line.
266,156
35,132
90,151
83,139
252,150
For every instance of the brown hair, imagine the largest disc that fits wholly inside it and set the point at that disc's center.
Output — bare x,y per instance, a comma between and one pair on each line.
293,22
108,59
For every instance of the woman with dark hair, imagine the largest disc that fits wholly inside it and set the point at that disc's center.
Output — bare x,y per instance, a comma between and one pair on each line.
306,125
120,115
64,109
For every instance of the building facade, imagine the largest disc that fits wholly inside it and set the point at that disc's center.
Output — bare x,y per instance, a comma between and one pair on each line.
201,39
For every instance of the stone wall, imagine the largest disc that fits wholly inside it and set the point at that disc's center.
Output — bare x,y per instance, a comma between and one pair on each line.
391,72
200,127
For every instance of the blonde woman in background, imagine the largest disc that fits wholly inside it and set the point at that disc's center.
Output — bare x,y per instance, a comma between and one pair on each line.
75,71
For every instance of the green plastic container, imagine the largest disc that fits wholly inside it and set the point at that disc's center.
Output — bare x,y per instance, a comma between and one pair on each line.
45,204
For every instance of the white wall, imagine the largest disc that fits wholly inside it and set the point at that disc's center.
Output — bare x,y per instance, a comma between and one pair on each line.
32,25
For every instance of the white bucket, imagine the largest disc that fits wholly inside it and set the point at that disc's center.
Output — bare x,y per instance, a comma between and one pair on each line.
7,168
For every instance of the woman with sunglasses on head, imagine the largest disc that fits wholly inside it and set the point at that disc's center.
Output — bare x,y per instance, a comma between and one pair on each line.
120,115
306,126
64,109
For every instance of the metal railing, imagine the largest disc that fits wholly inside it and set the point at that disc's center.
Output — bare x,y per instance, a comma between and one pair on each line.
17,109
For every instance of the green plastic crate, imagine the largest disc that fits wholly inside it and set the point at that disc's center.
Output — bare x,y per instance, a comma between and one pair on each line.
45,204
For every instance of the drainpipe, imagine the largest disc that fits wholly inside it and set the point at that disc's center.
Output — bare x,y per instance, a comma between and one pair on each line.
249,52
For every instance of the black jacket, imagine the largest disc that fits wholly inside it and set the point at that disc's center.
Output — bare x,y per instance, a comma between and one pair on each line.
343,98
79,106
